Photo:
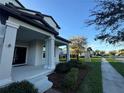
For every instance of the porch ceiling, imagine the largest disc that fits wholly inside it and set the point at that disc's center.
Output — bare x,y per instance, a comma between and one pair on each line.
60,43
27,35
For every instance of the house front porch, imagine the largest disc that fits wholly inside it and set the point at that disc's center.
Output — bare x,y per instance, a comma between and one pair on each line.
28,72
34,74
24,45
36,66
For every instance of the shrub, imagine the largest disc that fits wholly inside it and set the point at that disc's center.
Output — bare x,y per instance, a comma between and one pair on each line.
70,80
19,87
65,67
74,64
62,68
73,61
82,66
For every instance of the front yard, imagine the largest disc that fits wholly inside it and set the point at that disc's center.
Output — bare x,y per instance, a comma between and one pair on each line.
89,78
93,80
71,77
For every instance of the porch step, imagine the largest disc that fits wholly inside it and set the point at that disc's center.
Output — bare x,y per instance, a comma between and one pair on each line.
42,83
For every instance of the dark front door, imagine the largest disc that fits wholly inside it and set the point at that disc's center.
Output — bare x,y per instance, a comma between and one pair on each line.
19,55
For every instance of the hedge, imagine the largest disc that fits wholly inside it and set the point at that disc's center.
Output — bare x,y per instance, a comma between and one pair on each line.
70,80
19,87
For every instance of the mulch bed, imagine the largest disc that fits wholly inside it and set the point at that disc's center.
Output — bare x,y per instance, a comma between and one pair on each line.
57,78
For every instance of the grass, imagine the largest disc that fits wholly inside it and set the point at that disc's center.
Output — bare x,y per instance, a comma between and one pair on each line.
92,59
111,60
95,59
117,65
93,81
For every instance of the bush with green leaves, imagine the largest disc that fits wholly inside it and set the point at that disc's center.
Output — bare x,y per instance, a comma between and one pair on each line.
70,80
19,87
62,68
74,64
66,67
73,61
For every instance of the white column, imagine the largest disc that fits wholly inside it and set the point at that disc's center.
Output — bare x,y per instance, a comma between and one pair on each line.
68,53
8,51
35,53
46,53
50,46
57,54
39,50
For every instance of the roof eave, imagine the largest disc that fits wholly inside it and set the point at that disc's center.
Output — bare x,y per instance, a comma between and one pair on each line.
63,39
16,15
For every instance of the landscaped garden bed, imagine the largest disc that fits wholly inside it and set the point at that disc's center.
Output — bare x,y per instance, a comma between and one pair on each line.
70,76
19,87
89,77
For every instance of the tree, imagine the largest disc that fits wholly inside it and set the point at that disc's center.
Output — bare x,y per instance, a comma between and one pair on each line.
102,53
121,52
113,53
97,52
108,17
78,44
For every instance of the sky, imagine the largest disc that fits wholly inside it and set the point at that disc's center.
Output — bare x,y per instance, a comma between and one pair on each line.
71,16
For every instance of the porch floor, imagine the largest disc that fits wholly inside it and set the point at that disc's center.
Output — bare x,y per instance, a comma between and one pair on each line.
28,72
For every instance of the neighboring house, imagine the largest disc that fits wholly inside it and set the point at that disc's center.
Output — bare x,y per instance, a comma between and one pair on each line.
24,36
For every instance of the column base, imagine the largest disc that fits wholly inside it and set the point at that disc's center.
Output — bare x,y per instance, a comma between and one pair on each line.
49,67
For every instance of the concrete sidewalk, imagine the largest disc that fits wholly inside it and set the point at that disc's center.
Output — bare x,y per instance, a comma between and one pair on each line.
113,82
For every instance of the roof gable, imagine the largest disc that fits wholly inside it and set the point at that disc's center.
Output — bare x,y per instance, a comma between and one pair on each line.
53,20
15,2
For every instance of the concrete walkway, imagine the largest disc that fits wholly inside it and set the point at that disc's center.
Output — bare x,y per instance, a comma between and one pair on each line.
113,82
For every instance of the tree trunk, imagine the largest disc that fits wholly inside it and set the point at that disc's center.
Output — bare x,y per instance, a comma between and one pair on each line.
77,57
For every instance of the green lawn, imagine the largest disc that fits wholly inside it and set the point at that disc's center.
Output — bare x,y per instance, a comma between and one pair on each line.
111,60
82,59
92,60
95,59
117,65
93,81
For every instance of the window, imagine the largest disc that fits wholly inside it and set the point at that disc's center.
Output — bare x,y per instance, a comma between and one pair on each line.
44,52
